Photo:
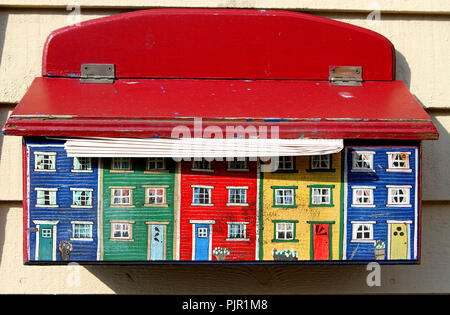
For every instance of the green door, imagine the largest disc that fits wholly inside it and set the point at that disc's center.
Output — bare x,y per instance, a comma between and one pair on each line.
45,242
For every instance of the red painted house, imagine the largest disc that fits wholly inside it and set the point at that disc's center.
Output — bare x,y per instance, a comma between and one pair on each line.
218,209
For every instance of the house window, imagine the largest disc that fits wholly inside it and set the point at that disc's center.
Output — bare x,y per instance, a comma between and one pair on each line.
47,233
237,196
202,232
237,164
121,164
46,197
82,198
286,163
284,231
201,165
122,230
398,162
362,161
284,196
237,231
81,230
156,196
399,196
121,196
320,162
362,231
201,195
321,195
45,161
82,164
155,164
362,196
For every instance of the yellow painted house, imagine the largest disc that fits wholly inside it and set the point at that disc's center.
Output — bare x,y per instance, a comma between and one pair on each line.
302,208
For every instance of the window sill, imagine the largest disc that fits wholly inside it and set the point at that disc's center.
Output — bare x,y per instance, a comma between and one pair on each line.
121,239
45,171
399,170
82,239
237,170
202,170
314,206
150,205
121,171
312,170
362,241
284,206
363,171
165,171
122,206
399,206
82,171
202,204
285,171
47,206
284,241
362,205
237,204
237,239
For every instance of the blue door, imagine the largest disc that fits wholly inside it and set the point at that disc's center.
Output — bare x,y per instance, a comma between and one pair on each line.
202,235
157,242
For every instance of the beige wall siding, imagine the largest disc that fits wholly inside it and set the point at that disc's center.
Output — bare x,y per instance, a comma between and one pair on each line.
420,31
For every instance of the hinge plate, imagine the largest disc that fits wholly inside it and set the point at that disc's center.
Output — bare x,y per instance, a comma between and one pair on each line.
345,75
97,73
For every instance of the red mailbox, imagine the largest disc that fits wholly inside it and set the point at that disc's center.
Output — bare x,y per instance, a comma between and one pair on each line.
179,135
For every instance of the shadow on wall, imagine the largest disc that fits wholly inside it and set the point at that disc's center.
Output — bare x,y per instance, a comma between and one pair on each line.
402,70
240,279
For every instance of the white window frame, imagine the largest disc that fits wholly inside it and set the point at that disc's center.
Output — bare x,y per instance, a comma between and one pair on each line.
154,161
392,188
320,195
283,160
209,188
77,223
392,168
202,161
79,170
242,225
51,155
89,190
230,188
129,224
237,160
121,168
283,197
355,202
292,230
320,160
114,188
356,225
156,188
50,190
369,154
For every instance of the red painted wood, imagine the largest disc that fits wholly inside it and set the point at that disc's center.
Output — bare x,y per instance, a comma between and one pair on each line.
218,43
153,107
321,239
220,212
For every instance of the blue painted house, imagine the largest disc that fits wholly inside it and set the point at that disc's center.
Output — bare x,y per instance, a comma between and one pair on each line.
62,202
381,205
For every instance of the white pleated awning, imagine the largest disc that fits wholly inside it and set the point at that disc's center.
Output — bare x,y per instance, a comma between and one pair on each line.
199,147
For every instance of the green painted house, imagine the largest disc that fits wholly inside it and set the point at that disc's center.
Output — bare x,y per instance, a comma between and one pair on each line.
138,208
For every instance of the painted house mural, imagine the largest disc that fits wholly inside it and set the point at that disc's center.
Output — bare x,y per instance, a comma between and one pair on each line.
381,202
218,210
302,208
138,208
62,203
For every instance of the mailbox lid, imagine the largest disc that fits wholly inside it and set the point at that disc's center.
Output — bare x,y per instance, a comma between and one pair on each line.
152,107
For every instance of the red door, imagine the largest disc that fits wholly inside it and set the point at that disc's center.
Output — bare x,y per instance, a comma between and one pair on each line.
321,239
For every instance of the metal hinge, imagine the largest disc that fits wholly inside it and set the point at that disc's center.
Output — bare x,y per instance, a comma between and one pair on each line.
97,73
345,75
